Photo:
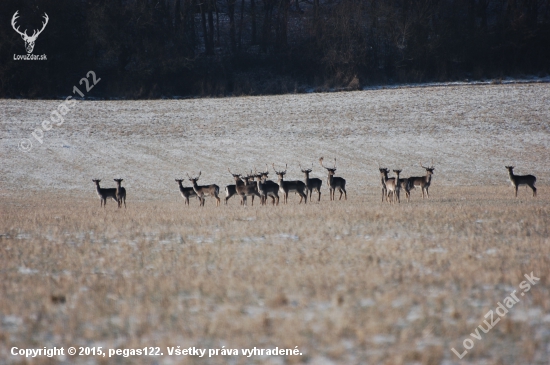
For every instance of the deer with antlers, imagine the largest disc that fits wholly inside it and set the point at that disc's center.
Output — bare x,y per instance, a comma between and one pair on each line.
186,193
286,187
518,180
243,188
312,184
29,40
205,190
422,182
334,182
267,187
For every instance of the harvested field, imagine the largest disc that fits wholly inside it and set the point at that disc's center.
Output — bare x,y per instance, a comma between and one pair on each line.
348,282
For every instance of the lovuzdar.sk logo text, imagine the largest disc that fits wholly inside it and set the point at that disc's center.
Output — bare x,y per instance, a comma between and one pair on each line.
29,40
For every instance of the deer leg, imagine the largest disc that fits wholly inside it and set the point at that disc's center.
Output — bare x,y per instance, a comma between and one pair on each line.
319,199
534,190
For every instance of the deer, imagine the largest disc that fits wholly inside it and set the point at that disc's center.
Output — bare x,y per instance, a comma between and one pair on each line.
334,182
205,190
120,193
29,41
383,177
104,193
262,188
249,181
186,193
271,188
518,180
242,188
286,187
422,182
312,184
393,187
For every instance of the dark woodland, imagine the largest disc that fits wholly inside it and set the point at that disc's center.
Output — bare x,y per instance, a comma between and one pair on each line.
168,48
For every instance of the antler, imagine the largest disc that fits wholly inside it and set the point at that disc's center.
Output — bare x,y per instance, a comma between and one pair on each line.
13,19
46,18
199,175
334,163
188,176
321,162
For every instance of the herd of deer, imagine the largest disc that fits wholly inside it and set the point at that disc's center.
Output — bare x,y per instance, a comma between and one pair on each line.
257,184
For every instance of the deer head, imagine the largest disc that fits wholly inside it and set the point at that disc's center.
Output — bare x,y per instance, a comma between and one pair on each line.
331,171
29,40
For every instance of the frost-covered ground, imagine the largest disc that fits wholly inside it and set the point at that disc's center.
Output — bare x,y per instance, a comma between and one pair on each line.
470,131
348,282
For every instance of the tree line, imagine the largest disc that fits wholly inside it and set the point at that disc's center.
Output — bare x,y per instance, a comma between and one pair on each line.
166,48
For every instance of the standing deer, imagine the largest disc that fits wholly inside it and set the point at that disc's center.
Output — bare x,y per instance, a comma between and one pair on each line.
242,188
104,193
271,188
518,180
312,184
231,190
205,190
120,193
393,187
249,181
186,193
334,182
261,187
422,182
383,177
286,187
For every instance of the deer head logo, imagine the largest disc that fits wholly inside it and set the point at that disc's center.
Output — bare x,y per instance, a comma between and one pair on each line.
29,41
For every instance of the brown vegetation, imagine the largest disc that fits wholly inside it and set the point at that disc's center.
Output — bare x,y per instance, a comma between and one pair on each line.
349,282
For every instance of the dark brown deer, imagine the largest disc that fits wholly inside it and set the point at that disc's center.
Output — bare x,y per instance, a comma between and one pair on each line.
312,184
518,180
334,182
120,193
286,187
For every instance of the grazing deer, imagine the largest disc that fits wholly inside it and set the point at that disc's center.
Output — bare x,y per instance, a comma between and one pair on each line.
186,193
422,182
518,180
242,188
312,184
334,182
120,193
286,187
104,193
205,190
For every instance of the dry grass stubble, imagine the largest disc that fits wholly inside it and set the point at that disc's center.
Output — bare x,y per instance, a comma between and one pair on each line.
348,282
